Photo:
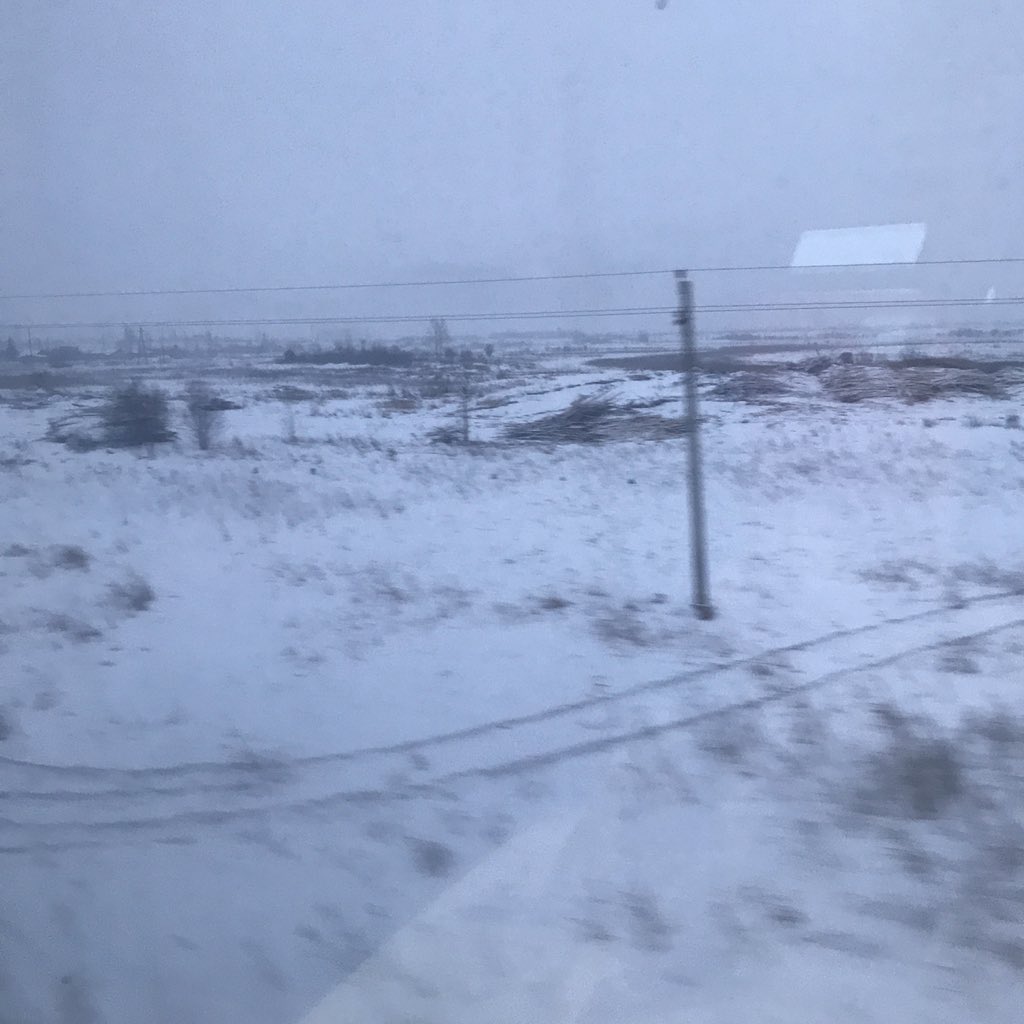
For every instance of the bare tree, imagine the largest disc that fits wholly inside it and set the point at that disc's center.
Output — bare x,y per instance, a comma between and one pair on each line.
136,415
441,337
205,409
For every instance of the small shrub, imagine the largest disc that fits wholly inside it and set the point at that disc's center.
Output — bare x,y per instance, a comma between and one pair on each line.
205,411
785,915
913,776
71,556
431,858
903,572
445,435
136,415
289,430
270,766
1000,728
649,929
732,738
77,630
959,662
623,627
239,449
988,574
45,700
593,931
133,594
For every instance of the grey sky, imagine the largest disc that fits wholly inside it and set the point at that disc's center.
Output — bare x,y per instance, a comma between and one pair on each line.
226,142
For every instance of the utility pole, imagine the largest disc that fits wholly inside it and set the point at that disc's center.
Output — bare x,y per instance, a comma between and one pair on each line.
698,539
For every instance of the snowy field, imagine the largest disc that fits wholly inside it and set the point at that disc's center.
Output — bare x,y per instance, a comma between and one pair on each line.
337,723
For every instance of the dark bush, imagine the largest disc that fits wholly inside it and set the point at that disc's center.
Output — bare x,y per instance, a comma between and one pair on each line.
914,776
71,556
436,860
445,435
205,411
76,629
134,594
136,415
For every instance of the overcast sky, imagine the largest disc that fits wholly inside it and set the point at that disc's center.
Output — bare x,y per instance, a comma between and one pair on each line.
148,143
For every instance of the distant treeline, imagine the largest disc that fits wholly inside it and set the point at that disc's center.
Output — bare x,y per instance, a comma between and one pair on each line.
364,355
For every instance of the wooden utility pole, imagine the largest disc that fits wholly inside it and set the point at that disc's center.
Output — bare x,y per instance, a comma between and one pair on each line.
698,539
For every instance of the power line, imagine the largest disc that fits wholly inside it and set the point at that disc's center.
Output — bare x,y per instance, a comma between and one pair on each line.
510,279
346,286
769,307
546,314
313,321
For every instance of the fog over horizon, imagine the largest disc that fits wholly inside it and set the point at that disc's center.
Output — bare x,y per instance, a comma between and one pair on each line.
226,144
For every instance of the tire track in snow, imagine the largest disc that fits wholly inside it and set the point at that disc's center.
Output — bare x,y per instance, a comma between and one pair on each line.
37,827
232,775
653,730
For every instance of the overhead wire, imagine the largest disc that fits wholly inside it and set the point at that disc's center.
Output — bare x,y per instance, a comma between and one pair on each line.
498,279
505,316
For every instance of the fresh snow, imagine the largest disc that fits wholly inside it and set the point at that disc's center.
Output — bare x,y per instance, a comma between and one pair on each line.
417,732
